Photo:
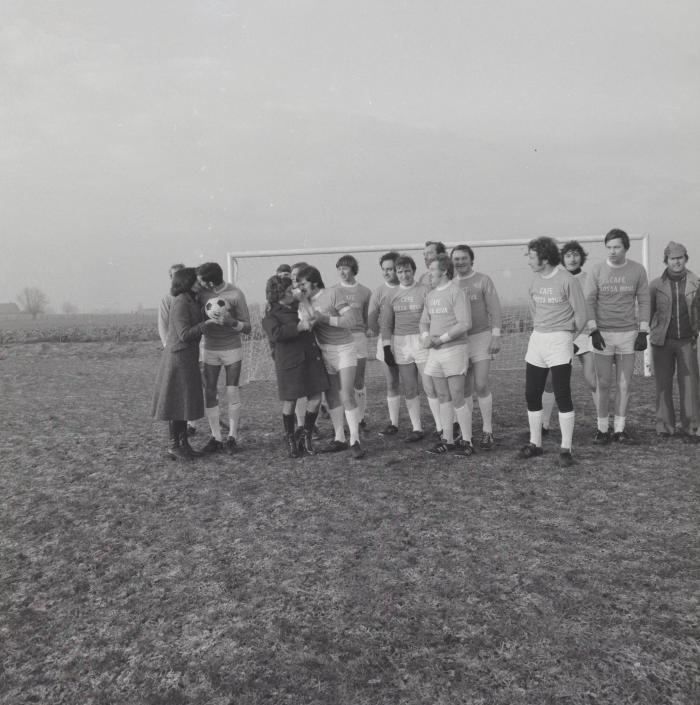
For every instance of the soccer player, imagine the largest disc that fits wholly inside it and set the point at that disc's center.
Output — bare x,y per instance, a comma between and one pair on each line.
391,373
400,324
431,250
444,324
558,310
617,296
673,339
357,297
223,348
484,336
333,319
574,257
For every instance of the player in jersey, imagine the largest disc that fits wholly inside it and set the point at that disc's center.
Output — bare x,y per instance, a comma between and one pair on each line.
432,249
617,298
222,348
558,311
444,324
573,258
333,319
400,324
357,296
391,372
484,336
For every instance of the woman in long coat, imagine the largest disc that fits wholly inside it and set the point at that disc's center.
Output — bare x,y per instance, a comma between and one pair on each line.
298,363
178,395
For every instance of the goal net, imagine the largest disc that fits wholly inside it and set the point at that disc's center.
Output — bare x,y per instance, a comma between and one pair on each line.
505,261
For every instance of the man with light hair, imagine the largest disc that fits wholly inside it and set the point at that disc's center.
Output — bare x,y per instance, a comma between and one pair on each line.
617,298
432,249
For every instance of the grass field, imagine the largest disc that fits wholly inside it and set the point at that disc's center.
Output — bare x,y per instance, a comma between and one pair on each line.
401,579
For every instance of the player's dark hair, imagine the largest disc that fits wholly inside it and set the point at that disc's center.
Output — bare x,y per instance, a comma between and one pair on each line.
392,255
439,246
183,280
283,269
574,246
299,265
617,234
546,249
348,261
312,275
211,272
445,264
275,288
174,267
463,248
405,261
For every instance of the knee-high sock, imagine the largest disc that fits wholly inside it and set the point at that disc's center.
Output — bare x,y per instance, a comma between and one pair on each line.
233,395
446,416
547,407
534,418
566,424
394,404
361,401
464,417
213,419
434,405
619,423
300,411
486,408
353,418
413,406
337,418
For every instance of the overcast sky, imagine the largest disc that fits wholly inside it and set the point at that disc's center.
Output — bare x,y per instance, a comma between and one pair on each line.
137,134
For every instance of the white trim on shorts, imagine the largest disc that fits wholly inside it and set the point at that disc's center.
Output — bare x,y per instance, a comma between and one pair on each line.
360,340
550,349
216,358
338,357
617,342
447,362
408,349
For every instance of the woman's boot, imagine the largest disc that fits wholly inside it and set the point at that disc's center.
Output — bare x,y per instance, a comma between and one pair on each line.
288,421
176,451
185,441
306,444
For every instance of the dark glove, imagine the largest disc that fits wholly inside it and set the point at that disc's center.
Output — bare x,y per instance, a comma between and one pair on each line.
389,356
597,340
575,349
641,342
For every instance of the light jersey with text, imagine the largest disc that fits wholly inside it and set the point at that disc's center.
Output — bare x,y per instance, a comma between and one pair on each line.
224,337
376,301
403,310
329,302
557,302
484,301
445,306
357,297
612,292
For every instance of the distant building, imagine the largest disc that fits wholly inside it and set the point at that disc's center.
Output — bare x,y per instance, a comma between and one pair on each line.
9,309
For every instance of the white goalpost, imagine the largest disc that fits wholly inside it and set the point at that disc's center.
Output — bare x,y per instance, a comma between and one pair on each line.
503,260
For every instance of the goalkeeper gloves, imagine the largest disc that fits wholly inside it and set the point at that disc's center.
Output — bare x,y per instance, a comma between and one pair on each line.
597,340
641,342
389,356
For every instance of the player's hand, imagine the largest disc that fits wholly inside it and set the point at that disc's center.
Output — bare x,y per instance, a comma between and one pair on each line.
597,340
426,342
321,318
435,341
495,345
217,321
576,349
641,342
303,325
389,358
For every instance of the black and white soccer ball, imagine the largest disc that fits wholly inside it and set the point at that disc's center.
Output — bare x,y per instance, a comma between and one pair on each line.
215,308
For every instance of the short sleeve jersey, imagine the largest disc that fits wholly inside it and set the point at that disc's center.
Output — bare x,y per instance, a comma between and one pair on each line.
376,301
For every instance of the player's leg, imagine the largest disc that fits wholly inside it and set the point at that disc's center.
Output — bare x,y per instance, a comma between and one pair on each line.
462,410
588,366
604,375
688,389
210,378
624,363
360,390
535,379
433,402
336,411
393,399
479,370
352,415
408,375
561,384
233,397
547,406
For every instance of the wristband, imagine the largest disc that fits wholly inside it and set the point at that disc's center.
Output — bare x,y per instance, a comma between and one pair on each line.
424,335
643,327
333,320
445,337
496,332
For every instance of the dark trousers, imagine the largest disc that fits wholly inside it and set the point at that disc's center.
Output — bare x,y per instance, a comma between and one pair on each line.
676,357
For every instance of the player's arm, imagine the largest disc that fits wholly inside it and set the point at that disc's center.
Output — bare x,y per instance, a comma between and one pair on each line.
424,327
578,304
463,313
345,318
493,308
163,317
373,312
241,322
387,323
180,320
643,301
278,331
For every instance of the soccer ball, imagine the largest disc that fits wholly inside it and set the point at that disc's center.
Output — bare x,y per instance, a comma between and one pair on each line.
215,308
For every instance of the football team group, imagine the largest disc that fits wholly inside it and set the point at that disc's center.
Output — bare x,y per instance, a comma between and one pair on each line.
437,335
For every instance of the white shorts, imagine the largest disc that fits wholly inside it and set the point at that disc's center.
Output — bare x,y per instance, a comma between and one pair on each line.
550,349
447,362
617,342
338,357
222,357
583,342
360,340
479,345
408,349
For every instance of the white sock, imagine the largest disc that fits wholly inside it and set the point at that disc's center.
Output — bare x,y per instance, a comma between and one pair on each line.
446,416
464,417
603,424
234,410
394,404
413,406
619,424
353,419
361,401
486,407
337,417
213,419
434,404
566,424
547,406
300,411
534,418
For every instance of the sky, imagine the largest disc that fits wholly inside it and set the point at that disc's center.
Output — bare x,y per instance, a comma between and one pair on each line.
136,135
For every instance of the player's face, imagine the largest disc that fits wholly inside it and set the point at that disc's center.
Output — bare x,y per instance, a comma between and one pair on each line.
306,288
676,264
462,262
389,271
616,251
203,285
345,274
429,254
572,260
535,263
405,275
437,276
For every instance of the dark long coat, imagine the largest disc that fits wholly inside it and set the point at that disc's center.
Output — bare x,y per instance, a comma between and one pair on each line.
298,362
178,392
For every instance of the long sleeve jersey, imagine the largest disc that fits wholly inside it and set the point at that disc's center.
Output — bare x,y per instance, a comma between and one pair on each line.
225,337
557,302
445,306
357,296
329,302
403,310
376,301
617,297
484,302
